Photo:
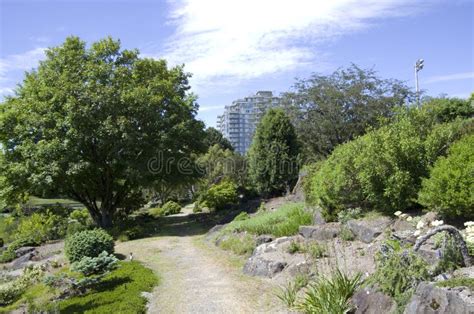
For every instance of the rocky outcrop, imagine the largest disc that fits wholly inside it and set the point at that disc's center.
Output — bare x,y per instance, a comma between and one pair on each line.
369,301
321,232
431,299
270,259
366,230
264,238
24,250
467,272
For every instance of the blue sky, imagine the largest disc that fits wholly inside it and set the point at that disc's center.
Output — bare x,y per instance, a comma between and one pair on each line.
236,47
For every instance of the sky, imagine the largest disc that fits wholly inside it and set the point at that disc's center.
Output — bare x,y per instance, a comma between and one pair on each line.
234,48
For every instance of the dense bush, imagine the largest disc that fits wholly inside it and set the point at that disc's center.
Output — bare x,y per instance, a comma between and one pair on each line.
219,195
398,272
383,169
41,227
101,264
284,221
450,188
88,243
12,290
171,208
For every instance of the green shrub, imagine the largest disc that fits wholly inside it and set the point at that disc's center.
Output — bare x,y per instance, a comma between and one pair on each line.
348,214
398,272
288,295
346,234
457,282
101,264
449,189
285,221
239,245
219,196
82,216
383,169
156,212
171,208
120,291
12,290
88,243
41,227
330,295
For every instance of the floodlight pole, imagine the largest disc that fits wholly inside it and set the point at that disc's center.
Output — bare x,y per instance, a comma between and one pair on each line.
418,66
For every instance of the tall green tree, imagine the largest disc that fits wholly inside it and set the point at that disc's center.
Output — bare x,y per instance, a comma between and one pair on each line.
273,156
98,124
213,136
328,110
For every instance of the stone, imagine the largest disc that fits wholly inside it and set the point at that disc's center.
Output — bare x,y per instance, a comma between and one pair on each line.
22,261
369,301
467,272
24,250
256,266
300,268
321,232
430,255
263,239
431,299
366,230
318,218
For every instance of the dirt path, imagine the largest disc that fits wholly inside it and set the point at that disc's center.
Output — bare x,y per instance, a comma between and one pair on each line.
199,278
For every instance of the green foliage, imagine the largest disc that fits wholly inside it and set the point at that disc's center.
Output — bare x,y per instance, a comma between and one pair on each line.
273,155
82,216
88,243
457,282
328,110
448,109
330,295
41,227
12,290
285,221
242,216
239,245
288,295
219,196
450,188
214,137
346,234
316,250
383,169
9,254
451,257
119,292
348,214
8,225
398,272
101,264
171,208
98,121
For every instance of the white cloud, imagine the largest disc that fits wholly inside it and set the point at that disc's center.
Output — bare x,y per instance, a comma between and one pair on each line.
210,108
17,62
450,77
234,40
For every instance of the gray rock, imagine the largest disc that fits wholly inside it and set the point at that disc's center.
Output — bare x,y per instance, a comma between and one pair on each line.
318,218
24,250
256,266
263,239
430,255
431,299
366,230
467,272
369,301
321,232
22,261
300,268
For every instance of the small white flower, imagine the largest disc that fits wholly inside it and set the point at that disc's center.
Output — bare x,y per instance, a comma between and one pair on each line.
437,223
409,218
403,216
469,223
397,213
420,224
417,233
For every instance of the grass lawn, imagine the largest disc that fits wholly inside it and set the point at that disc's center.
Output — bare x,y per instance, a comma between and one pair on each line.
285,221
36,201
120,292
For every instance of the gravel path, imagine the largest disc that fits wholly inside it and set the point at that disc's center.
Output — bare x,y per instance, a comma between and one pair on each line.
199,278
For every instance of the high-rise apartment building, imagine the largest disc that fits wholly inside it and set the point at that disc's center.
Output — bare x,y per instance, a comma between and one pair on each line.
239,120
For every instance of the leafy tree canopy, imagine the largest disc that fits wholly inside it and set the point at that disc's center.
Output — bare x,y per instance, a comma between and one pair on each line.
213,136
91,122
328,110
274,153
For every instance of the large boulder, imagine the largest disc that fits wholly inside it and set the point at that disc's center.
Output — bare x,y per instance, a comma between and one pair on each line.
256,266
24,250
370,301
366,230
321,232
467,272
431,299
